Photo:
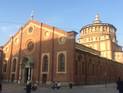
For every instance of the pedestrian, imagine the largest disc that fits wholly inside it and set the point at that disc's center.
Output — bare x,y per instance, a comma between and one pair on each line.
0,88
28,87
70,85
53,86
34,87
120,85
58,85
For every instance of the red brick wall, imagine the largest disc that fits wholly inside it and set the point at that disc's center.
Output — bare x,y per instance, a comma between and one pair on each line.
42,45
96,69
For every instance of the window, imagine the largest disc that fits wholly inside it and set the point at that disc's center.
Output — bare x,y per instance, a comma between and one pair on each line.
30,29
101,28
47,34
84,31
93,29
45,64
88,68
61,62
16,40
61,40
30,46
14,65
79,58
104,28
4,67
6,50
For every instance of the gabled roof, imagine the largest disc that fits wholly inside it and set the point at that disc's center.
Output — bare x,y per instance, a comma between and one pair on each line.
86,49
38,24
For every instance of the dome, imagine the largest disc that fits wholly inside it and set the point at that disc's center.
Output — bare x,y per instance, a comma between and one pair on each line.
98,22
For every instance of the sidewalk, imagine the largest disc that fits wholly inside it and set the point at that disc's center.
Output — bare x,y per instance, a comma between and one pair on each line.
109,88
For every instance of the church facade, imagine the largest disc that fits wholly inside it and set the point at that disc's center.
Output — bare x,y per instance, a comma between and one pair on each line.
43,54
39,52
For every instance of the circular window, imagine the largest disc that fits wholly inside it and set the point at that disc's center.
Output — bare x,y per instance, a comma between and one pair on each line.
62,40
47,34
6,50
30,46
30,29
16,40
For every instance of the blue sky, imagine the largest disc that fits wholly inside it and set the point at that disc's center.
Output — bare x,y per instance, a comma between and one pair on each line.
65,14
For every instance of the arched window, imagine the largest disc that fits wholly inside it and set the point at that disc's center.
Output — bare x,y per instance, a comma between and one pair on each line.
14,65
45,64
4,67
79,58
83,68
61,63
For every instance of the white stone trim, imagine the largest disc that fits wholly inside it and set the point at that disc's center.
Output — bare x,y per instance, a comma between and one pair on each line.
45,28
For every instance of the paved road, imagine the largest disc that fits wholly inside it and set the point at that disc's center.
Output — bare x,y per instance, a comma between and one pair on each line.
110,88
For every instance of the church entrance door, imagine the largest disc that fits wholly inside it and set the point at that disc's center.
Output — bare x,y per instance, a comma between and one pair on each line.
27,65
27,74
44,78
26,71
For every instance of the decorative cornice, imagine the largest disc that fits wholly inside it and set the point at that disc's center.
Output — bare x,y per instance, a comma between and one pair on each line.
98,24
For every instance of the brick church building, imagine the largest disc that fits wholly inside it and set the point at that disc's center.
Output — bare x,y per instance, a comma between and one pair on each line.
1,58
44,53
